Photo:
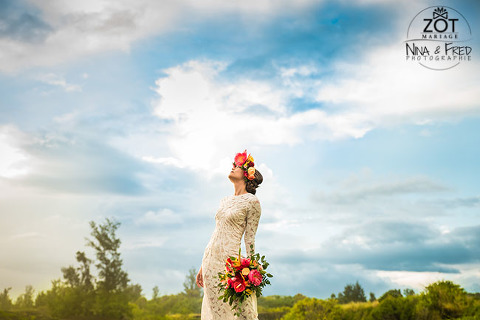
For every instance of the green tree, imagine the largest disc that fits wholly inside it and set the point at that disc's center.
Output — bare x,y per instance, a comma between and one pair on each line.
134,292
352,293
313,309
155,293
112,295
112,278
394,293
83,295
372,297
78,296
446,299
190,286
25,300
390,308
408,292
5,300
81,276
54,299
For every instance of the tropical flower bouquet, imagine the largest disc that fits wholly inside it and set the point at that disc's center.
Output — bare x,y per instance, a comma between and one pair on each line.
242,278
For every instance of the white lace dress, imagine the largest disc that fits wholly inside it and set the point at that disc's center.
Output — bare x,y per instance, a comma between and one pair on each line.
237,215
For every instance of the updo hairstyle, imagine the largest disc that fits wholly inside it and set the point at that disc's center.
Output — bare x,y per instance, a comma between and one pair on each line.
252,185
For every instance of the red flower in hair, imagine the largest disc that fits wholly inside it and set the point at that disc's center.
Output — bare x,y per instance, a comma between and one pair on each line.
240,158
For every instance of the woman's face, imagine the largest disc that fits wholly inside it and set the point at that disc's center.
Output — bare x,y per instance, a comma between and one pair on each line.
236,173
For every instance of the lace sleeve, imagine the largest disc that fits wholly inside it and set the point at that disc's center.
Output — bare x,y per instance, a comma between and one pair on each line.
253,217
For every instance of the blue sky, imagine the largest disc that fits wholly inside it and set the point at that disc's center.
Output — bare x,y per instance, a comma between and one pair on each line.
134,110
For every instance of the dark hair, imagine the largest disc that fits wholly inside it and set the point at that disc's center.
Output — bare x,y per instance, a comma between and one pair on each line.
252,185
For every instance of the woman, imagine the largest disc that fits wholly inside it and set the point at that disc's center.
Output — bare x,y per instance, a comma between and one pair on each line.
238,215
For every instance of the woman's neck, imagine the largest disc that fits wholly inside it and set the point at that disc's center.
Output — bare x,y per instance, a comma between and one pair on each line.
240,187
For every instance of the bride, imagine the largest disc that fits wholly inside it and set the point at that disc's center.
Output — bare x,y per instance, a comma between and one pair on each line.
237,216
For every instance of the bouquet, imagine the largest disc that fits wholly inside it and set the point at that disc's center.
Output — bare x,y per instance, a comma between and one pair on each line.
242,278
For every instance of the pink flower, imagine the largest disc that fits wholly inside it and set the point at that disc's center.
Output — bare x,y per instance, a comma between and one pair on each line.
255,277
240,158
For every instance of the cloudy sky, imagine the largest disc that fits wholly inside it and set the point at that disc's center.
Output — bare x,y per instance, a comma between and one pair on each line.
135,109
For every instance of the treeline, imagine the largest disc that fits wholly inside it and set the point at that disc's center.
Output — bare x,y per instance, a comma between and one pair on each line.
108,294
439,300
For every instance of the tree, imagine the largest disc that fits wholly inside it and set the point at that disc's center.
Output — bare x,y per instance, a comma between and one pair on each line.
352,293
372,297
81,276
84,271
25,300
103,295
190,286
408,292
78,298
446,298
312,308
111,276
389,308
155,292
394,293
134,292
112,293
5,300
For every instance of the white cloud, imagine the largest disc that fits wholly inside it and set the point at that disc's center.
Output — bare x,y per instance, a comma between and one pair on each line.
419,280
57,80
387,90
145,242
81,28
212,116
14,161
364,187
169,161
161,217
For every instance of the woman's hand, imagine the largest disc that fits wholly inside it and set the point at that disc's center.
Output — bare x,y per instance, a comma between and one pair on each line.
199,279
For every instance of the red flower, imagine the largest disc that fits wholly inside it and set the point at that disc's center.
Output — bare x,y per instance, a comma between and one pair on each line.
240,158
245,263
238,284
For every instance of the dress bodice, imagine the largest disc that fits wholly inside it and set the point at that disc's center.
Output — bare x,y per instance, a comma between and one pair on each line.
236,216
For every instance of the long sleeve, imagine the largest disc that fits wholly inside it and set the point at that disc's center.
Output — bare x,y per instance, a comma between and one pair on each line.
253,217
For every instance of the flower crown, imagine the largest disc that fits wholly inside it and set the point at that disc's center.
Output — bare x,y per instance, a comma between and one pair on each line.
246,163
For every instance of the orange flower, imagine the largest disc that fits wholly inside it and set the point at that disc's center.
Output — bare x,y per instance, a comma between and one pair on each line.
251,173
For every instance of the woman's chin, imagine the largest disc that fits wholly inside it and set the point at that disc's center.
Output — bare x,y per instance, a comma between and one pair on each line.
232,177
